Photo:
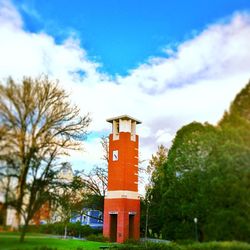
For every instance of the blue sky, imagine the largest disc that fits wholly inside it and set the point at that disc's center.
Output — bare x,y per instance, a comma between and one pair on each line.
121,34
166,63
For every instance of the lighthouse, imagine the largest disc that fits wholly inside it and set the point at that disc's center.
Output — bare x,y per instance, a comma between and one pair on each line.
122,201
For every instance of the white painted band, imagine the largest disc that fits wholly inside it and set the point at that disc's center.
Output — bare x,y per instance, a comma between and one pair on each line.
125,194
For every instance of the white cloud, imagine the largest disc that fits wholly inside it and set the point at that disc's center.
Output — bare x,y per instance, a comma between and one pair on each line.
197,81
9,16
25,53
163,136
91,155
219,50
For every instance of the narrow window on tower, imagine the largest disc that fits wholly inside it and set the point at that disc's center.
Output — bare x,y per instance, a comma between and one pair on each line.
116,130
133,131
115,155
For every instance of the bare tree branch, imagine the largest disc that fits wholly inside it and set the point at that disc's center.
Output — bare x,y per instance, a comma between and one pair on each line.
37,125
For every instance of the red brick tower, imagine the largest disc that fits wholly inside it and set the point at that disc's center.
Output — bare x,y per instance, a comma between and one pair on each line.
122,202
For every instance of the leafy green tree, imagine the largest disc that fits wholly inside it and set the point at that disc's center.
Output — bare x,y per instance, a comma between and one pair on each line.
232,163
207,176
149,213
184,180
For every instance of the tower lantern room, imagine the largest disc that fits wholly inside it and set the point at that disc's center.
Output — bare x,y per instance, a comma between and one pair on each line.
122,202
123,124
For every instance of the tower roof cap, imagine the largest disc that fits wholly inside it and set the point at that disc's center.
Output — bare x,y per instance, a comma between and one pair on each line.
123,117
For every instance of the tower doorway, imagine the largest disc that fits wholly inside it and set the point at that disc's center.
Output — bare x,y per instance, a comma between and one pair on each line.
131,226
113,227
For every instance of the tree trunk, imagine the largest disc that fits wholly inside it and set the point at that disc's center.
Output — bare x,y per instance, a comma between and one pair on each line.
65,231
23,232
201,234
3,215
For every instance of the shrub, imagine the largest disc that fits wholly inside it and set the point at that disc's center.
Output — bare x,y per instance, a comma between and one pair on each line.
185,242
73,229
99,238
233,245
226,245
132,242
151,246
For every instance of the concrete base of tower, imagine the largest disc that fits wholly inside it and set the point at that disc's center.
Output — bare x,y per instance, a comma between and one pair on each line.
121,219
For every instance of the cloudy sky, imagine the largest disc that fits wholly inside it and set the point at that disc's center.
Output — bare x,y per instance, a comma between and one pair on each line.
166,63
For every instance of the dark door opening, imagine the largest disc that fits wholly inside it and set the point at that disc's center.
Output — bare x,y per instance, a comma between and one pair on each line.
131,226
113,227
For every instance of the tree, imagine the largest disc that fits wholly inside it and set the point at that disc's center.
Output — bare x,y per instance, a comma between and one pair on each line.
185,182
96,180
68,199
105,147
155,163
207,176
95,184
150,212
232,161
39,125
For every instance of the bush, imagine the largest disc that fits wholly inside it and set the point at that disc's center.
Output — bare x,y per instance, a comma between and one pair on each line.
226,245
185,242
151,246
132,242
7,229
73,229
194,246
99,238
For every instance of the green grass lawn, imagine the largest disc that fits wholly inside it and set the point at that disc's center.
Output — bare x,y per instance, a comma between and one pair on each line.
10,241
